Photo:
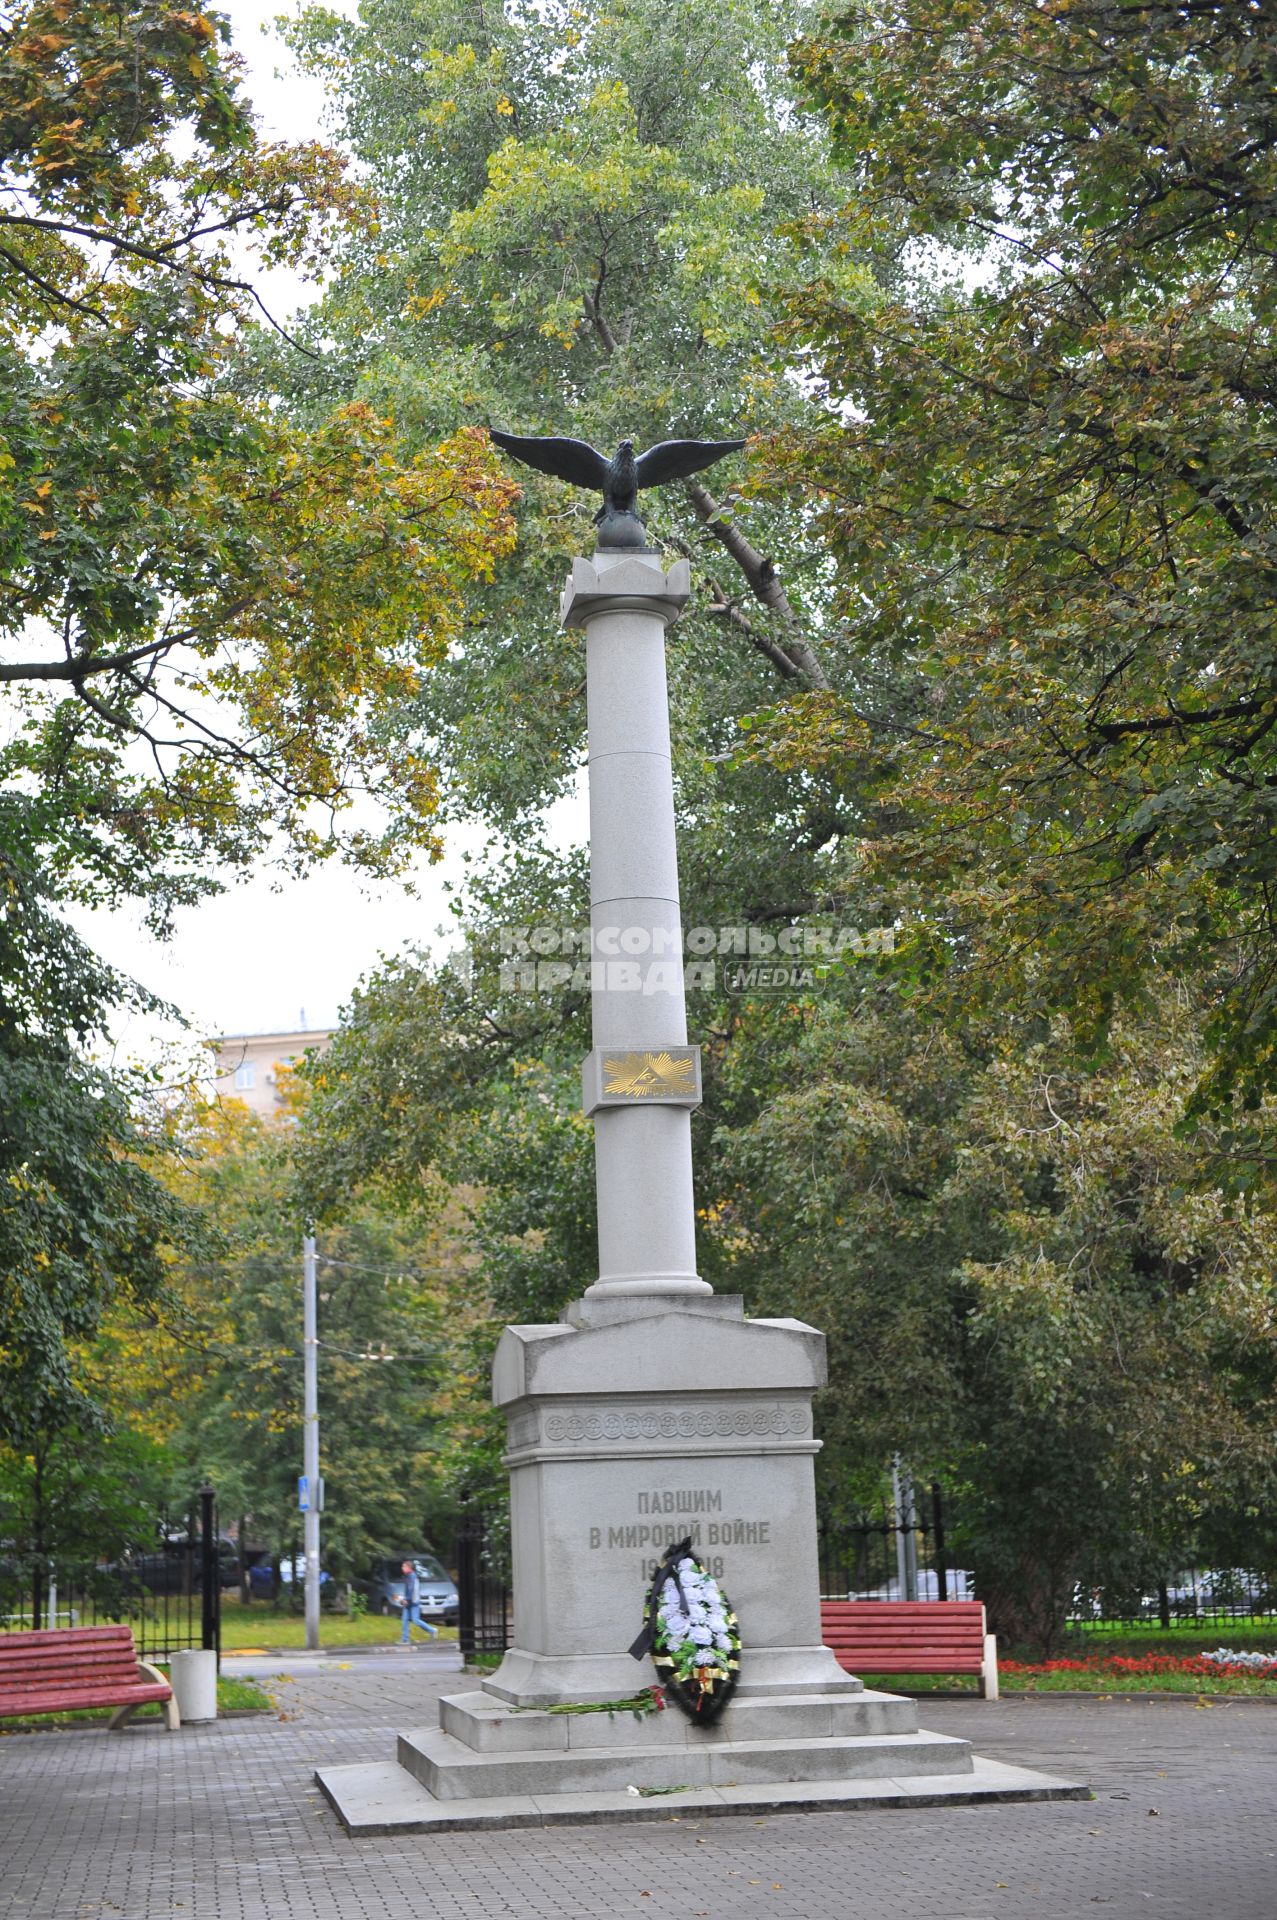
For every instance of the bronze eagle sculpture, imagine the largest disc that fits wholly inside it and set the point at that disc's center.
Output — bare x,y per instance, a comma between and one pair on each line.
619,479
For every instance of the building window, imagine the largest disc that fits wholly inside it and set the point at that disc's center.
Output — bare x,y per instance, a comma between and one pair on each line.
245,1077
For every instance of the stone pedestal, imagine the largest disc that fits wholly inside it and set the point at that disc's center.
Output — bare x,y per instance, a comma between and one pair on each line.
634,1424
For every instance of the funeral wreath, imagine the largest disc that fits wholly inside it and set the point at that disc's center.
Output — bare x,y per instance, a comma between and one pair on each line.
692,1635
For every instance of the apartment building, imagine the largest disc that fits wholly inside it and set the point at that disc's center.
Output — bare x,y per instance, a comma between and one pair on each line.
247,1065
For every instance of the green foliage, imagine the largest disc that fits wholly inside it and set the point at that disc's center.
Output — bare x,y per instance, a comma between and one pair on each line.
183,570
1048,480
207,613
229,1353
1032,1285
84,1224
581,228
970,1164
69,1498
87,91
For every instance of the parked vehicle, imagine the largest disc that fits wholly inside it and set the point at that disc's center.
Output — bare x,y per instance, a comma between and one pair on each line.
1216,1590
382,1587
959,1585
174,1567
292,1571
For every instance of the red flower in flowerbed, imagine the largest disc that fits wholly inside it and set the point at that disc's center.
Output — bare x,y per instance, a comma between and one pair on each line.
1118,1665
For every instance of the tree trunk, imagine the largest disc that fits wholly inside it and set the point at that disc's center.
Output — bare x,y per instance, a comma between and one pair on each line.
1027,1605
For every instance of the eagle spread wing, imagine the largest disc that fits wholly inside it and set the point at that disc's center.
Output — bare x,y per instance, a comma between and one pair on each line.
675,459
571,460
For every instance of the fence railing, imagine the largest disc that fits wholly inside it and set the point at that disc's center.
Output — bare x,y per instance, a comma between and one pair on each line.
902,1552
166,1587
1214,1597
892,1553
484,1599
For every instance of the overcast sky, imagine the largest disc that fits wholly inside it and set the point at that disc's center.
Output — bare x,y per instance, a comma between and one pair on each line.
252,960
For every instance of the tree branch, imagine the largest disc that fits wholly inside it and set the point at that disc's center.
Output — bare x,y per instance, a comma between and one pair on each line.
77,667
593,303
763,580
1177,717
730,614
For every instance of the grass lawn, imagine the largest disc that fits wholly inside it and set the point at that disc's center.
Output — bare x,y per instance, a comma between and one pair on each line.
1247,1685
265,1629
1257,1636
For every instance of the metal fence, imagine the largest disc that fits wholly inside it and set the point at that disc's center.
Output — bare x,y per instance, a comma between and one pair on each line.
166,1586
901,1551
484,1599
1224,1597
897,1551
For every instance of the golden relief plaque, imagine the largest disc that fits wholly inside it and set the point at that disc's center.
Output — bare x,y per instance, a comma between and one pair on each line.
670,1074
637,1076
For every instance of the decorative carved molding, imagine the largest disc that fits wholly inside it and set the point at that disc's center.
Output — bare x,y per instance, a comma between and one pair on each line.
673,1423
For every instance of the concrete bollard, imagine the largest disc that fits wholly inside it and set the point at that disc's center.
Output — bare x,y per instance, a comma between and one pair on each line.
194,1678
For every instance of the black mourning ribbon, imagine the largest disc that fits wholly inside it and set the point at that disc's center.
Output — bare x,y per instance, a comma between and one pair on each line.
667,1571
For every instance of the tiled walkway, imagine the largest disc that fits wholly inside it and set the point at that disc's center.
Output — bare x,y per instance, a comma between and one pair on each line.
224,1823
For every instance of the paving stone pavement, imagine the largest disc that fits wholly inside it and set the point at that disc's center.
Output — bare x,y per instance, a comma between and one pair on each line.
224,1823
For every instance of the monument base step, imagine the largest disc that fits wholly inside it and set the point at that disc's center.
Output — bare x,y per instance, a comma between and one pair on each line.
381,1797
450,1770
479,1721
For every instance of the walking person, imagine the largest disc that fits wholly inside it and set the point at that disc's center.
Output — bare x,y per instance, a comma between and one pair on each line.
412,1606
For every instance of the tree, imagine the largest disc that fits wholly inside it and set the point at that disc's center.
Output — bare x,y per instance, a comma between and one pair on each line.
225,1351
208,613
1047,476
1033,1286
84,1222
1043,1324
185,572
582,225
72,1496
583,221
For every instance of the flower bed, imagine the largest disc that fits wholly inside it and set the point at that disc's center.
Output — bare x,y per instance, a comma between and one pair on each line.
1114,1666
1225,1660
1252,1675
1118,1666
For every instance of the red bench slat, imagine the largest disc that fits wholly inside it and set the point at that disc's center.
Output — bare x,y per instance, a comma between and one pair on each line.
57,1636
68,1699
94,1659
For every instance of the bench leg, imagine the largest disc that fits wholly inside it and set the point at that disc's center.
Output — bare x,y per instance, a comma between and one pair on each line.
172,1718
989,1674
118,1718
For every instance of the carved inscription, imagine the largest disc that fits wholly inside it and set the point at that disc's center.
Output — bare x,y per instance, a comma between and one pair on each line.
713,1533
680,1505
679,1423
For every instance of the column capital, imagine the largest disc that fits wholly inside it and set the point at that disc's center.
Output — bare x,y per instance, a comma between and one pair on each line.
632,583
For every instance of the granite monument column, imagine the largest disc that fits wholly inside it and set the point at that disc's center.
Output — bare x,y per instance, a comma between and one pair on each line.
641,1081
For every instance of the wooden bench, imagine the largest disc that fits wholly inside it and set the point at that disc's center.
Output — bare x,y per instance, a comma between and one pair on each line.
73,1667
912,1636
